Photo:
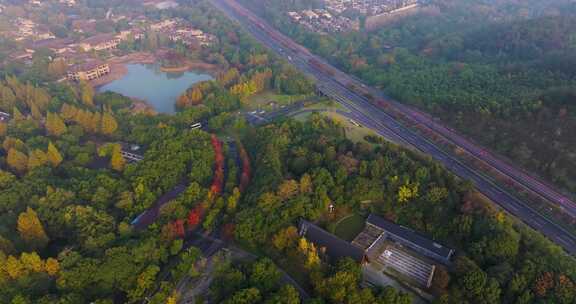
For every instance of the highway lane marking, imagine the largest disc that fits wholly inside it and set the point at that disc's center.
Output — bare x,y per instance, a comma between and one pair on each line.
407,138
563,240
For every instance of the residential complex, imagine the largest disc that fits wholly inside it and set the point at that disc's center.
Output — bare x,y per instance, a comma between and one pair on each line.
369,7
331,18
88,71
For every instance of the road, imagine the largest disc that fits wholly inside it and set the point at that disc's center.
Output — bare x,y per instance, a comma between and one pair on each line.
384,122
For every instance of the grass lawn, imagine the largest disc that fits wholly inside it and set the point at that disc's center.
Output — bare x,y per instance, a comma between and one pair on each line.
349,227
354,133
260,101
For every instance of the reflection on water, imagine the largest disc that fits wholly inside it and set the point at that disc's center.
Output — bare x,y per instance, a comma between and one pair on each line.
148,83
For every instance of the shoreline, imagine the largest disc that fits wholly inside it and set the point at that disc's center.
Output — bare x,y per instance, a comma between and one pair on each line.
118,67
190,65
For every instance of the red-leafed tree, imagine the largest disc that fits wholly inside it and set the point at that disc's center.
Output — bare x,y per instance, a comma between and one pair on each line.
195,216
228,231
179,227
218,180
246,170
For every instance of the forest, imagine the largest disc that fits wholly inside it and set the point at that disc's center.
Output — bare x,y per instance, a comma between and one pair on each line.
501,72
81,224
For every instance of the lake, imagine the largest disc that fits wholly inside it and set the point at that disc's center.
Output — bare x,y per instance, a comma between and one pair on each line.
159,89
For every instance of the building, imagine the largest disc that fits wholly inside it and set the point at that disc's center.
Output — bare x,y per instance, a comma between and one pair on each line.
58,46
393,249
100,42
88,71
407,238
23,55
332,246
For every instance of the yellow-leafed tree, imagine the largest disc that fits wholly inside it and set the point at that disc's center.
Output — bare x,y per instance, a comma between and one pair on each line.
117,162
17,160
37,158
55,126
36,114
53,155
87,94
196,96
32,262
108,124
13,267
12,142
17,114
68,112
52,266
31,229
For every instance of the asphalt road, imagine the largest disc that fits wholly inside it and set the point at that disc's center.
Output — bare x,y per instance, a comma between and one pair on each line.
374,117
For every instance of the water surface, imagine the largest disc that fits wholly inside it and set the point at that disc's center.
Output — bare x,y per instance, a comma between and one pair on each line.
158,88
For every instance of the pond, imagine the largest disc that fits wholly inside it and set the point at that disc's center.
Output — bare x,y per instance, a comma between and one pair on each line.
149,83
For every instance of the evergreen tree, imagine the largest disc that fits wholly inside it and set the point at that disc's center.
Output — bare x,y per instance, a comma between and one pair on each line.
53,155
31,229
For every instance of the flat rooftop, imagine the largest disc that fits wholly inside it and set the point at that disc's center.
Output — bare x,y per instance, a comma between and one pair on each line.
409,235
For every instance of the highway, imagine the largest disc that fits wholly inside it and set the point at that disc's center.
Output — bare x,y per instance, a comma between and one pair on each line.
384,121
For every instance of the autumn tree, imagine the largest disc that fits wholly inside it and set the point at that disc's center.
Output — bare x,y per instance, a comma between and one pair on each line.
196,96
32,262
17,160
108,124
53,155
86,94
117,161
55,125
17,114
543,283
3,129
286,238
310,253
31,229
37,158
13,267
52,266
68,112
183,101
